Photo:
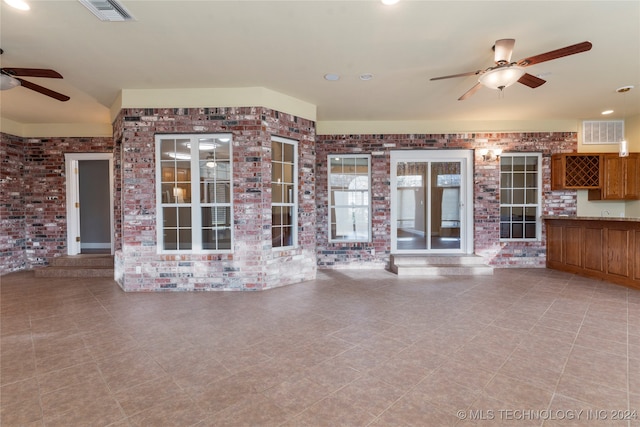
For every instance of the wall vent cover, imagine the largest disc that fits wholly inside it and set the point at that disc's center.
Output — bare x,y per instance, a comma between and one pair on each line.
602,131
108,10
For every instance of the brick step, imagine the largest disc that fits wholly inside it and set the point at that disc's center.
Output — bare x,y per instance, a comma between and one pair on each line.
54,271
83,261
78,266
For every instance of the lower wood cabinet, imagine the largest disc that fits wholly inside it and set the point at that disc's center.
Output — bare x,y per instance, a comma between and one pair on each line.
605,249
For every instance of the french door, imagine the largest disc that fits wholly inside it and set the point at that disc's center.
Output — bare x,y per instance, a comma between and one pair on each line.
432,201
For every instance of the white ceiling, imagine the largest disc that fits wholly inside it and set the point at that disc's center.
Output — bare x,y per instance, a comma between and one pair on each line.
287,47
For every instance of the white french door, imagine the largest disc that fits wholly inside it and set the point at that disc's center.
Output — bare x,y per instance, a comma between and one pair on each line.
432,201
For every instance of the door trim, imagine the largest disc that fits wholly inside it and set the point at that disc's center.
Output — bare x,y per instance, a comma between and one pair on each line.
73,196
466,228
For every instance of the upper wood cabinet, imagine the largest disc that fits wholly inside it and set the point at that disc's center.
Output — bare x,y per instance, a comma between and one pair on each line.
621,178
607,176
575,171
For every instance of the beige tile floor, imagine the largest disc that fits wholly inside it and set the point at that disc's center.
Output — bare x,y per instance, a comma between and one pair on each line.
352,348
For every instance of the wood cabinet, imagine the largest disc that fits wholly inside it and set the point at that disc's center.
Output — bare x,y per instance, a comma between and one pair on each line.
576,171
607,249
606,175
621,178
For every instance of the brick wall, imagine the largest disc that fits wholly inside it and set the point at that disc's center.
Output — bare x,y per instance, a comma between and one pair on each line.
486,193
34,217
12,210
253,263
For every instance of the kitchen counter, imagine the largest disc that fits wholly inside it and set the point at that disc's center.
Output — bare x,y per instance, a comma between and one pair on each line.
607,248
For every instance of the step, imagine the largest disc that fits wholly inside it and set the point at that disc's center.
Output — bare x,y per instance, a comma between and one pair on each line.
439,265
83,261
57,271
98,265
442,270
437,260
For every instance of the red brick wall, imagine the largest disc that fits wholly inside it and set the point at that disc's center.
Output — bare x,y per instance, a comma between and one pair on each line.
486,193
12,210
253,264
34,217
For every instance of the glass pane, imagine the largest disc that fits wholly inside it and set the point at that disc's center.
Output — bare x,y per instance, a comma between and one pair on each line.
276,193
287,236
530,214
287,193
532,163
167,146
288,152
276,237
276,216
505,214
506,180
344,223
185,239
287,215
224,239
170,217
532,196
518,196
505,164
517,214
517,231
167,193
335,164
411,206
505,197
532,180
276,151
170,240
530,230
184,217
518,163
518,180
505,230
361,223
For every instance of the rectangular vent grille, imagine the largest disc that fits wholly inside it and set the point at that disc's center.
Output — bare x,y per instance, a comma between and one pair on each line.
603,131
108,10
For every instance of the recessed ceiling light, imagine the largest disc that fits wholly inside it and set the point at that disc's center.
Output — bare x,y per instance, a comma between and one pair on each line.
18,4
331,77
606,112
366,77
389,2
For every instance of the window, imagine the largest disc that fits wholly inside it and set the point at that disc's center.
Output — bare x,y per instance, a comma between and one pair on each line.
520,196
284,194
194,196
349,198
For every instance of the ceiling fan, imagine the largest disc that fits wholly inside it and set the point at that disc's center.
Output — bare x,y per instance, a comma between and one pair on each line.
505,73
10,77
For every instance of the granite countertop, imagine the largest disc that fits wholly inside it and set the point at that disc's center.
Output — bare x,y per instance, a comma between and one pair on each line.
593,218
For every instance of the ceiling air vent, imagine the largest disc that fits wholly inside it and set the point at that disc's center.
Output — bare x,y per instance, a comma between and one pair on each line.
107,10
602,131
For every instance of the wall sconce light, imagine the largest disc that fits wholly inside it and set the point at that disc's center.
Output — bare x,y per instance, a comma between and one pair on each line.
624,148
490,155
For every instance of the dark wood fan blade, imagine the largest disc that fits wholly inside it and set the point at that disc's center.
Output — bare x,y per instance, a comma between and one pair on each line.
470,73
503,49
32,72
44,90
555,54
470,92
531,81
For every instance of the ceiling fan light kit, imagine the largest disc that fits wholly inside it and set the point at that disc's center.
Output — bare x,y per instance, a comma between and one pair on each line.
505,73
7,82
500,78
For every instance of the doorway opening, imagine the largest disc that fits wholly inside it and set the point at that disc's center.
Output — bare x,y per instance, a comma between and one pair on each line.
89,203
431,201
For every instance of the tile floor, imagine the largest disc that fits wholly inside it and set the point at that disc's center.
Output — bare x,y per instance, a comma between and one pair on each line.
352,348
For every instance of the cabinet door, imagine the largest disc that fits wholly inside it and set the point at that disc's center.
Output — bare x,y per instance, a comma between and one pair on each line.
613,178
632,181
557,172
621,177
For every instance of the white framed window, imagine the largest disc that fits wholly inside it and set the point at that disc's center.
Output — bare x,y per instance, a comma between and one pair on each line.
194,193
284,192
520,196
349,178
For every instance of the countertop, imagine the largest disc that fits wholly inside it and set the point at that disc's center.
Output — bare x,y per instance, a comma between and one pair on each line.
593,218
